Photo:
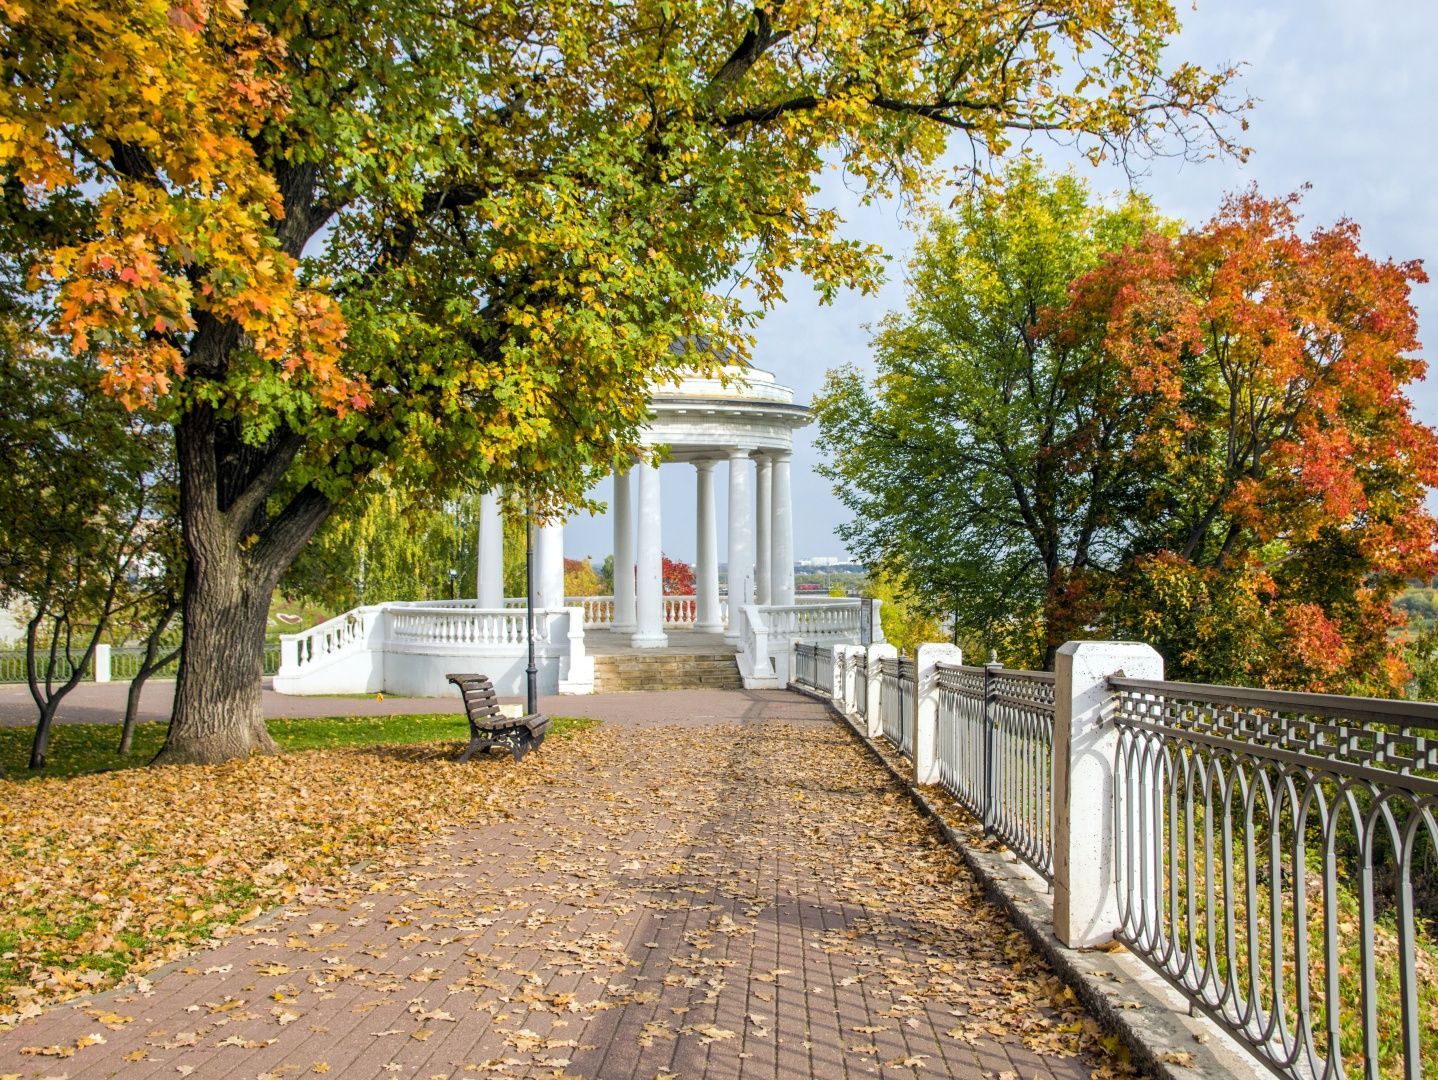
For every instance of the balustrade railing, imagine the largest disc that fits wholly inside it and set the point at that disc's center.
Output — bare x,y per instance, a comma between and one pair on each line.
341,634
995,753
836,620
433,625
1277,861
680,611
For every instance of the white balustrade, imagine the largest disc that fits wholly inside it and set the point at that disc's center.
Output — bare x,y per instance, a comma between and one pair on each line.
811,621
679,611
447,625
343,634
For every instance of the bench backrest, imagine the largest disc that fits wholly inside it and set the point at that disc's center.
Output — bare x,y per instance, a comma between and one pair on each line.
480,700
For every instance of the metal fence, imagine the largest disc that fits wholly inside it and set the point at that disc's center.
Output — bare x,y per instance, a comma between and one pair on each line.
12,667
861,684
125,663
1277,861
824,668
995,753
896,702
806,664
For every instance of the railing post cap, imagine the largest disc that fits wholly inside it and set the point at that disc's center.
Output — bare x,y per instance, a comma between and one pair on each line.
1107,648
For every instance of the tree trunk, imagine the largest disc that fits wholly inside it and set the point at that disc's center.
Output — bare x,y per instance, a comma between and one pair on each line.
219,711
151,663
48,700
235,554
40,748
132,698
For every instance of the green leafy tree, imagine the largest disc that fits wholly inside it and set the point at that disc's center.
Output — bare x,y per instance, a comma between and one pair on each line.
1201,440
82,524
905,615
392,545
337,243
988,467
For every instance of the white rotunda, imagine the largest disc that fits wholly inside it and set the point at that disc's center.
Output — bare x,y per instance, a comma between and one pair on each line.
740,417
743,418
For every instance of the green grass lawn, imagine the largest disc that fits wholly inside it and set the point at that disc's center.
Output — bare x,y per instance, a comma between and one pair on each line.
87,748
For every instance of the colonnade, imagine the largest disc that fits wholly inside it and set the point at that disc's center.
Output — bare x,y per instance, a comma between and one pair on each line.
760,547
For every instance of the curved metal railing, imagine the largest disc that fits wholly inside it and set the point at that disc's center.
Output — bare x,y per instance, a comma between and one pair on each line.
1277,861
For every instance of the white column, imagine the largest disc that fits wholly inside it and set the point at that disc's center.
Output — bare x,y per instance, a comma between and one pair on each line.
549,566
649,587
490,571
706,573
781,564
623,554
1085,879
763,502
741,539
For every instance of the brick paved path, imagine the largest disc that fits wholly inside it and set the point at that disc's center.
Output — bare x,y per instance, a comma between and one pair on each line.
741,894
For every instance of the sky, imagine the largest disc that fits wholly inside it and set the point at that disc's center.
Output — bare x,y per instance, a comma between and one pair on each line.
1347,102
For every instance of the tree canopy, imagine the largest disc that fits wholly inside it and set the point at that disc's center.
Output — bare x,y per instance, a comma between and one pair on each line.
1198,438
990,468
428,242
1289,476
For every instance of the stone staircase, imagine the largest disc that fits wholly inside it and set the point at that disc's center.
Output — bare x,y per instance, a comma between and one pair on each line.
662,670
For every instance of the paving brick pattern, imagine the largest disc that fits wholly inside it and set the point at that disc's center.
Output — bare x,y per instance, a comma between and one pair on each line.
741,893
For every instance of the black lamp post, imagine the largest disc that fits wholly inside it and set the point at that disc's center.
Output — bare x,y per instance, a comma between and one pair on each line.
532,671
453,583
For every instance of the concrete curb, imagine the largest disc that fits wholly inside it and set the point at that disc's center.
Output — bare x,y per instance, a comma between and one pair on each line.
1163,1034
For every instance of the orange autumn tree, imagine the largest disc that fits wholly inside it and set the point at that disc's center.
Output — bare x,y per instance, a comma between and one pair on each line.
1286,506
333,243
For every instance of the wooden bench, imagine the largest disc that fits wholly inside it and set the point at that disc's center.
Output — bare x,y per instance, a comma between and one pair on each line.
488,727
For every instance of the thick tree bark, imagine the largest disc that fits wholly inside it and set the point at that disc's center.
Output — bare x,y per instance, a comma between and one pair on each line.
235,555
219,711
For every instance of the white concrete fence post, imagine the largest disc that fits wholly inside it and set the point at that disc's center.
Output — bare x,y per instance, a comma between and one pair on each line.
1085,745
927,658
873,711
836,676
102,663
851,678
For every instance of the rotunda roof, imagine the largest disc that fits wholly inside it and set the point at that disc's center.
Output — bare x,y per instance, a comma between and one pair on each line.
745,409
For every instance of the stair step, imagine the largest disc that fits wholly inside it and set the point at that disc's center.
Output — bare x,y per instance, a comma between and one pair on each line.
632,672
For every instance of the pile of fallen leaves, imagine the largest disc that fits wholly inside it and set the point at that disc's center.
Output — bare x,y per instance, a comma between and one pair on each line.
674,905
125,870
